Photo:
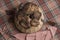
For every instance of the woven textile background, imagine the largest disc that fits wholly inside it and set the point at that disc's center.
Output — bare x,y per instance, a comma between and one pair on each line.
51,9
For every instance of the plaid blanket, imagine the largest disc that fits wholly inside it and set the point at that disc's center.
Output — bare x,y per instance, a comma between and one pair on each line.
51,10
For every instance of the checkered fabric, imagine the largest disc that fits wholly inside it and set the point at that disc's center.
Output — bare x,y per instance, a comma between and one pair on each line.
51,10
